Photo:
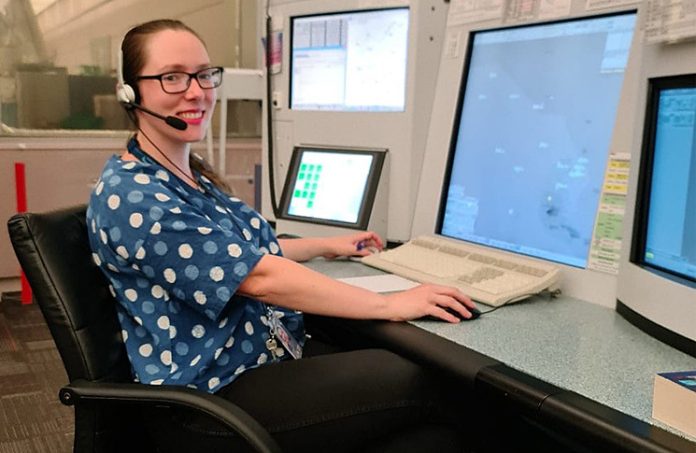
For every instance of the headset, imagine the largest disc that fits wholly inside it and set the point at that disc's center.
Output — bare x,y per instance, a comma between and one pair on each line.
128,97
125,93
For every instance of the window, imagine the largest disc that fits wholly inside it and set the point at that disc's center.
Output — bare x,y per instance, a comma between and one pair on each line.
58,57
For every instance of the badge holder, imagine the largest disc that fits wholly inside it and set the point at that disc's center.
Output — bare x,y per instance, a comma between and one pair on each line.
278,331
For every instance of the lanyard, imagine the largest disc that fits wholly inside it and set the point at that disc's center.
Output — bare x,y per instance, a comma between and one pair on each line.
271,343
276,330
135,149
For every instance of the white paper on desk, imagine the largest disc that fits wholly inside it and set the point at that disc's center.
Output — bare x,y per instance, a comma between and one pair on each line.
381,283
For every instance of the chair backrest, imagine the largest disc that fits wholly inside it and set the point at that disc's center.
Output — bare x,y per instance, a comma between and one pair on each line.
73,294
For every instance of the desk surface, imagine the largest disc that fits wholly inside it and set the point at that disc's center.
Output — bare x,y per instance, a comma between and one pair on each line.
573,344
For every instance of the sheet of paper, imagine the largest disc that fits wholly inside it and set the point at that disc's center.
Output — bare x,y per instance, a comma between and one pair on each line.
605,251
367,4
670,20
601,4
386,283
467,11
527,10
551,9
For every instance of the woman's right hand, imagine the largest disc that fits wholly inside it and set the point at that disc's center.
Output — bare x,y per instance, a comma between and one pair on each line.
429,300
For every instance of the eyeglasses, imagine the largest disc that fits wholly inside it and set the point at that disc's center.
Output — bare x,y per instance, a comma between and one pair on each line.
178,82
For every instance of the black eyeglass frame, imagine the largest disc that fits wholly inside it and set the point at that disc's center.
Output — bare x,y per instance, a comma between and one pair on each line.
191,75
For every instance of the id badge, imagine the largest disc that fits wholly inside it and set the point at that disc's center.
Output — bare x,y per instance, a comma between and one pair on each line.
285,337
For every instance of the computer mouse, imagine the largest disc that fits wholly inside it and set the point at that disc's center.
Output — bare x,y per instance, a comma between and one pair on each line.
475,313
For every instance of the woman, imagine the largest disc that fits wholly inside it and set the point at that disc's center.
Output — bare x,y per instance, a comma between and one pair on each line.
207,294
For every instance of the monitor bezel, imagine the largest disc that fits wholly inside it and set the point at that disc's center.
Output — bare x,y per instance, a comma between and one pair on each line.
444,190
656,86
336,13
372,184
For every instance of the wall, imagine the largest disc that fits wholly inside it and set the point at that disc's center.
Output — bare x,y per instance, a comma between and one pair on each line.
61,172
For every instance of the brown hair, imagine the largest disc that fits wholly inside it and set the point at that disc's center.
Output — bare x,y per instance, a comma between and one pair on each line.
133,49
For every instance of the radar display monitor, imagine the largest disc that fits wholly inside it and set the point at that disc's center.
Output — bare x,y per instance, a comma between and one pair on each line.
657,278
349,61
331,186
531,135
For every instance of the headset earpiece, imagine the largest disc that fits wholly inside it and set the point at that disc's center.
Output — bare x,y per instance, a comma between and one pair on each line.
125,93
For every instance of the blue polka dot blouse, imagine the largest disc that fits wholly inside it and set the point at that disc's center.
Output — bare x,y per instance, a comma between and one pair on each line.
175,256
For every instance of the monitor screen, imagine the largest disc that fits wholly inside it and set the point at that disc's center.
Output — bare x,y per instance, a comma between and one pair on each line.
656,284
531,137
665,237
351,61
331,186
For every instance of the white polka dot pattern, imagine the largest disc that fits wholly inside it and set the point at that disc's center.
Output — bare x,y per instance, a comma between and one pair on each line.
141,179
234,250
113,202
217,273
174,257
185,251
145,350
136,220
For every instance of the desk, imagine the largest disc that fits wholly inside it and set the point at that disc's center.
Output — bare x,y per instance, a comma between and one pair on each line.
571,358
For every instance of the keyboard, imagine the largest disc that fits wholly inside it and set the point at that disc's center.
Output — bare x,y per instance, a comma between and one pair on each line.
486,276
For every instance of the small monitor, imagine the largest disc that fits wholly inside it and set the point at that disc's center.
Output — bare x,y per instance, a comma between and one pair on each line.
665,235
537,107
657,278
331,186
349,61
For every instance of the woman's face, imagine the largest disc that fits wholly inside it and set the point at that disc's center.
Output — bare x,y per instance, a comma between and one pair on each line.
175,51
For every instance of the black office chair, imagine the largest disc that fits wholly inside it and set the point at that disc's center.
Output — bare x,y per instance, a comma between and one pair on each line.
79,309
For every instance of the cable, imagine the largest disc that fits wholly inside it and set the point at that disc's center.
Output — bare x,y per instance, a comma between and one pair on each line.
131,116
552,295
194,181
269,114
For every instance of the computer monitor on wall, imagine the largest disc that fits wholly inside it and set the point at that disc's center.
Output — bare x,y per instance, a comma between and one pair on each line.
329,190
657,278
531,135
349,61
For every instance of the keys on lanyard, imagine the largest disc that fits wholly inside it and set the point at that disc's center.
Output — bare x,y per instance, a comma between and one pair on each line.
272,345
278,332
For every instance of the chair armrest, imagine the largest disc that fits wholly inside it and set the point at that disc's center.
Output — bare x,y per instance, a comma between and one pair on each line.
81,390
